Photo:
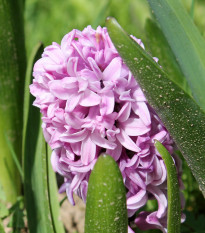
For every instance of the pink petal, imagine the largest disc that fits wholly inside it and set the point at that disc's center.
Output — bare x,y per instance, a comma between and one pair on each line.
83,168
89,98
113,70
134,127
127,142
125,96
75,137
135,177
107,103
102,142
138,200
161,199
95,67
74,186
160,136
59,90
73,101
72,66
55,160
147,220
141,109
88,151
73,121
124,112
116,153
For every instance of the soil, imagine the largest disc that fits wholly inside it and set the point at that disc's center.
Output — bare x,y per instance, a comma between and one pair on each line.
73,217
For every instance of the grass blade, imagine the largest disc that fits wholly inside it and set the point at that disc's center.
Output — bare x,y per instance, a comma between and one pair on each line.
186,42
106,199
183,118
174,206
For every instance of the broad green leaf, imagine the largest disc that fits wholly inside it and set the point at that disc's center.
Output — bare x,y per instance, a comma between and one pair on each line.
174,206
160,48
41,196
192,9
12,66
28,99
186,42
183,118
36,178
106,199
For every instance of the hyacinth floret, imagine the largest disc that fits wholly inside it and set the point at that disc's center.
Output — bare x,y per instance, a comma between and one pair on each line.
91,104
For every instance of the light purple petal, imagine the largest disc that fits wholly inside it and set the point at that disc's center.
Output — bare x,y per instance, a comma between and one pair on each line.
113,70
141,109
102,142
72,102
74,186
134,127
127,142
161,199
89,98
88,151
124,112
107,103
75,137
138,200
135,177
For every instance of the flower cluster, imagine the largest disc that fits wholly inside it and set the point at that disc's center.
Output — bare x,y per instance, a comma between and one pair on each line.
92,104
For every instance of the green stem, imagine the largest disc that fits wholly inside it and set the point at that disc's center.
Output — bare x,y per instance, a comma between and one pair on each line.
174,207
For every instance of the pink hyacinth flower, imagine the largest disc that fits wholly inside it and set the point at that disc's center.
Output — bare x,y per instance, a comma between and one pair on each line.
91,104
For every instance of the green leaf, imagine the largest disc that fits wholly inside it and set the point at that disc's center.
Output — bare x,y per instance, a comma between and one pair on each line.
160,48
28,99
36,179
101,15
1,227
53,195
174,206
106,199
192,9
12,75
14,157
178,111
17,216
41,196
186,42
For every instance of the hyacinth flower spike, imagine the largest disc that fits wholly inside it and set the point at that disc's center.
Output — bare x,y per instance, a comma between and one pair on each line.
91,104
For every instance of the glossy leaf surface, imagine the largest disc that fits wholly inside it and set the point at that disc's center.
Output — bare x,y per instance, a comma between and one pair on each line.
183,118
106,199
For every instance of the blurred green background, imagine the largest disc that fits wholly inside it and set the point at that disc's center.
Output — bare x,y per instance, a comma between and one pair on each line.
49,21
